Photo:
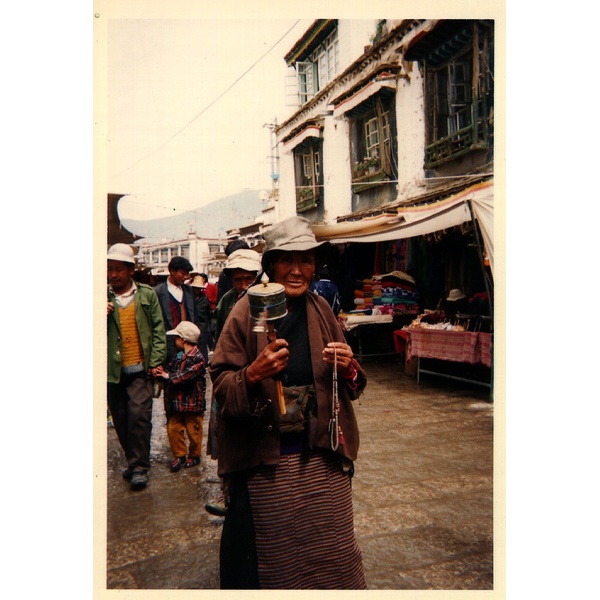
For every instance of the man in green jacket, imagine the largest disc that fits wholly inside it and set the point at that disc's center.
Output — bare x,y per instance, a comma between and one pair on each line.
136,343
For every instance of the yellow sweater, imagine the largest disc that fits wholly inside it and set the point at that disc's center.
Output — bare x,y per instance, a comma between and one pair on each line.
131,347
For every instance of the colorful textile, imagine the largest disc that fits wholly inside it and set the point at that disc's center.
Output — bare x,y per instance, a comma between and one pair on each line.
456,346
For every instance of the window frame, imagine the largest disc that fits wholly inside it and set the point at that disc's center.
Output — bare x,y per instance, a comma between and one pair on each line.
459,123
319,68
372,136
308,174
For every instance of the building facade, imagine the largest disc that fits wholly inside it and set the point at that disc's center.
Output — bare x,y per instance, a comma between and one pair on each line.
206,255
392,114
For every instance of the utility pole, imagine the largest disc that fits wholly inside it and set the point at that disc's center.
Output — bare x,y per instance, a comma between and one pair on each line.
274,157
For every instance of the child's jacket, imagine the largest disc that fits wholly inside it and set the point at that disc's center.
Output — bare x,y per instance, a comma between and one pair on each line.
186,388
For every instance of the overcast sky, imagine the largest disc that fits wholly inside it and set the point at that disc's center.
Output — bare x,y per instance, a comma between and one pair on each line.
187,101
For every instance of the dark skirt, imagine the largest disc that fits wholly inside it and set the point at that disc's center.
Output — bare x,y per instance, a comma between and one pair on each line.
292,527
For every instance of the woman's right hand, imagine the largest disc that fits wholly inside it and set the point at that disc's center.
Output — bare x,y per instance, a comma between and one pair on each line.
272,360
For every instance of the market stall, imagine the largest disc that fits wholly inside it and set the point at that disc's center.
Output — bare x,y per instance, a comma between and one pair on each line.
404,261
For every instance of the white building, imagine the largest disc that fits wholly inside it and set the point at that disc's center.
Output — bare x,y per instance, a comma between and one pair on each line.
206,255
393,115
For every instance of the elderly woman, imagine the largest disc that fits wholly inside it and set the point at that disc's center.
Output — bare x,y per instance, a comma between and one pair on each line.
289,522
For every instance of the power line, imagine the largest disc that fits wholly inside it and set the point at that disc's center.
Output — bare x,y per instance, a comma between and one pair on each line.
209,105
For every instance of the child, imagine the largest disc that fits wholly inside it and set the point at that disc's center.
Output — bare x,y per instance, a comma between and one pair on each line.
185,394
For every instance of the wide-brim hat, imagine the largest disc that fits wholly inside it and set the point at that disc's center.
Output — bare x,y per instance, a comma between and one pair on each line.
248,260
186,330
291,235
122,253
454,295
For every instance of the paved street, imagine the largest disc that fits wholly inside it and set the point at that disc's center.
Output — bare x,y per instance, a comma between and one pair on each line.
423,495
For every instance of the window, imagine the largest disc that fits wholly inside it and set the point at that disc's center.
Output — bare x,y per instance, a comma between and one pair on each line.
459,92
372,141
319,69
309,179
185,251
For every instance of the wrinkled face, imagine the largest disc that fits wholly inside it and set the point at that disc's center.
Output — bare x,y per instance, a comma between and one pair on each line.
242,279
179,276
119,275
294,271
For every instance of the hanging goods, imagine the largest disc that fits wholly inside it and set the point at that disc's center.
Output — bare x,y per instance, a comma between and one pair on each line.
267,303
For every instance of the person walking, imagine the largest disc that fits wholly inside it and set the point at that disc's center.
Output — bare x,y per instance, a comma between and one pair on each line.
242,268
224,283
176,298
289,522
327,289
185,392
136,344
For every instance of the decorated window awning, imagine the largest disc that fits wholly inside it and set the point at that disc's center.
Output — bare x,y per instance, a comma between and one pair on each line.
411,221
380,85
309,130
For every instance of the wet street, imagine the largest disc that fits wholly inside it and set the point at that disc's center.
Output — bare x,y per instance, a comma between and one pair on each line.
423,495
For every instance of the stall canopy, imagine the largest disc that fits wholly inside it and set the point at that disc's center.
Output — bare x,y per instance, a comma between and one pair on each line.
411,221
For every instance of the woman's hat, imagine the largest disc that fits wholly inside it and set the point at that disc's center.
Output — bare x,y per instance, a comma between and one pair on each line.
454,295
292,234
186,330
248,260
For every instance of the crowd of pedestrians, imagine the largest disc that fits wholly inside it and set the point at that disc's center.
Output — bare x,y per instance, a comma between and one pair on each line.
281,422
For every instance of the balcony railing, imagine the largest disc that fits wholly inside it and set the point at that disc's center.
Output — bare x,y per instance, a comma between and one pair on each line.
306,198
469,131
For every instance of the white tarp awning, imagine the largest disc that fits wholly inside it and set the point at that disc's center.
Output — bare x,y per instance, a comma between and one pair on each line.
363,94
420,220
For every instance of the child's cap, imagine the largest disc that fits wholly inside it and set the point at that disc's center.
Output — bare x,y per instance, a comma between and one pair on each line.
186,330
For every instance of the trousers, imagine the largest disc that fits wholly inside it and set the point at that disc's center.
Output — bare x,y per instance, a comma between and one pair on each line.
180,423
130,404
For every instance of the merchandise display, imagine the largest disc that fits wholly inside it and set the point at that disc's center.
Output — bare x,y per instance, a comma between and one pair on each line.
394,293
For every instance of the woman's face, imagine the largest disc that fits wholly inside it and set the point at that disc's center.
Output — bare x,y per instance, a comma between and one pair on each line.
294,271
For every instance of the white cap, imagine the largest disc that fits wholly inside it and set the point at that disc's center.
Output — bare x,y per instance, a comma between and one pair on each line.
186,330
122,253
248,260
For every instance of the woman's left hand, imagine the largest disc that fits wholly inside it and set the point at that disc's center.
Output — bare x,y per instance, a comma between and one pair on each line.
342,353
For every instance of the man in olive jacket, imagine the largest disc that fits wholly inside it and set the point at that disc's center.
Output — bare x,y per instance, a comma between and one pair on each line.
136,343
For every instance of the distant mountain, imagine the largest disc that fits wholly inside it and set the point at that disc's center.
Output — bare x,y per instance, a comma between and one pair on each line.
208,221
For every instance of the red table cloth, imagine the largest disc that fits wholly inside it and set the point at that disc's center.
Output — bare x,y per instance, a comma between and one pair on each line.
457,346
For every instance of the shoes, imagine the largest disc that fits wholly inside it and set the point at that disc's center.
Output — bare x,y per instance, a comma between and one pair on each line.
177,464
216,508
139,480
127,473
192,462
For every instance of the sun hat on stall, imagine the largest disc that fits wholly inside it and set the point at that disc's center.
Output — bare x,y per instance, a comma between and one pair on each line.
454,295
122,253
248,260
292,234
186,330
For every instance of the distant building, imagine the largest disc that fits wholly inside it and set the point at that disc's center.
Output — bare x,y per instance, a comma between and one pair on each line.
206,255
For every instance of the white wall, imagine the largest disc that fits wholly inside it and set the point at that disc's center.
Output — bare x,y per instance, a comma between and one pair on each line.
410,124
337,171
353,36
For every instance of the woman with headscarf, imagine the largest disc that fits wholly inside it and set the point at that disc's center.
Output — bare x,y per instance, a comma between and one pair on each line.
289,522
